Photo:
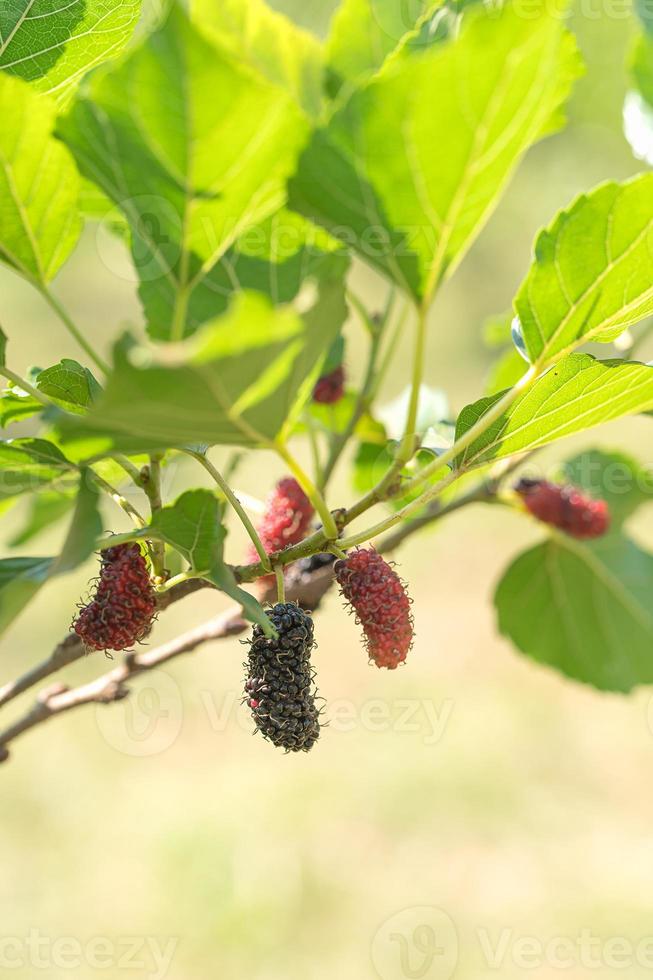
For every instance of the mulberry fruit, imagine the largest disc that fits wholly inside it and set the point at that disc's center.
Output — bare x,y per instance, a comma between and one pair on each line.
382,606
287,519
330,388
123,608
280,688
565,507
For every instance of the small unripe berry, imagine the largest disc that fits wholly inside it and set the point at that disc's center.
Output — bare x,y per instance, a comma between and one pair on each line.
121,613
330,388
565,507
381,604
280,689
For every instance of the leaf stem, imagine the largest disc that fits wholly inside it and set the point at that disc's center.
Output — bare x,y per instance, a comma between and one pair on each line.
130,469
362,404
151,483
310,490
73,330
390,352
486,420
315,449
25,386
175,580
118,498
178,328
450,456
409,441
235,503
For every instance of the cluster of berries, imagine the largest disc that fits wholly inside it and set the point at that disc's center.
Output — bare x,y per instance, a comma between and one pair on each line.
565,507
280,687
122,610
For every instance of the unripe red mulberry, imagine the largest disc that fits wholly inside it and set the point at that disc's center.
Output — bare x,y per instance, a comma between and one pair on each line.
122,610
287,518
565,507
280,689
330,388
382,606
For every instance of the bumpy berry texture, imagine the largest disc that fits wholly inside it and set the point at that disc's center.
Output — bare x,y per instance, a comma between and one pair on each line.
280,688
121,613
287,518
382,606
565,507
331,387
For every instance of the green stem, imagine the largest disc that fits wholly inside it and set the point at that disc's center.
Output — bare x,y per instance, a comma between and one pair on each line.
310,490
73,329
338,552
178,328
122,502
477,430
389,355
175,580
360,308
409,442
130,469
485,491
152,487
315,449
25,386
236,504
362,404
281,583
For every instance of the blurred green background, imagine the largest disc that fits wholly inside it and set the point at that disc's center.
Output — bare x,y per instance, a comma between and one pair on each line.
471,781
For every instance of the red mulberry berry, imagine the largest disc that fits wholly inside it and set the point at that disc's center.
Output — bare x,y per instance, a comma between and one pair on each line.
565,507
287,519
280,689
331,387
382,606
122,610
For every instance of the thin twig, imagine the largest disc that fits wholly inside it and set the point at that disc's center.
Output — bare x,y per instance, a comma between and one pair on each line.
112,686
71,648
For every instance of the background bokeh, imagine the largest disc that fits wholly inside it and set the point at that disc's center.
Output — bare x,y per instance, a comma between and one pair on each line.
472,781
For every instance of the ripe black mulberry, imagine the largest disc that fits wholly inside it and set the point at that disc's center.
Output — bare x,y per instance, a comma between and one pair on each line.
280,687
